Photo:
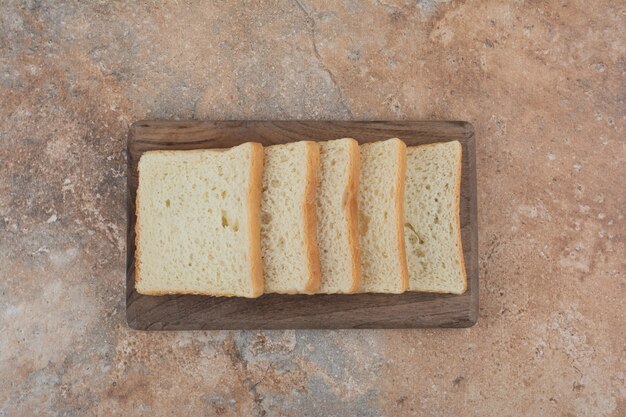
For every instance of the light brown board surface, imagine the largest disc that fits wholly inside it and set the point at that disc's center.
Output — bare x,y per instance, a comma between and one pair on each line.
274,311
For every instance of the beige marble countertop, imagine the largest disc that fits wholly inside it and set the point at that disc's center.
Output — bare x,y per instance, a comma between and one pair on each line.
544,84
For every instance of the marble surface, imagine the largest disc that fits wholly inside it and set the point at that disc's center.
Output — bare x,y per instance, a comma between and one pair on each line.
544,84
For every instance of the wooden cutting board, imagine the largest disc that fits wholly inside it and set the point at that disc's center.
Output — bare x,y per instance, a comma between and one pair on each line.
274,311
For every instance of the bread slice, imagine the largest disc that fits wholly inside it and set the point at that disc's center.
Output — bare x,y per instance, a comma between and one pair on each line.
337,216
197,228
381,202
288,218
431,215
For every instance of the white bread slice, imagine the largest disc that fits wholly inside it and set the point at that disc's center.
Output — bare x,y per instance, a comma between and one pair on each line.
431,214
337,216
198,222
288,218
381,203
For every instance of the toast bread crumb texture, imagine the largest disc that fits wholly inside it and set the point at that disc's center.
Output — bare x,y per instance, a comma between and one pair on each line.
380,206
432,227
337,216
195,230
288,218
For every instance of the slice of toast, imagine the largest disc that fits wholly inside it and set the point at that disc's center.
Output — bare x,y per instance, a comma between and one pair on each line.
381,206
198,222
288,218
431,212
337,216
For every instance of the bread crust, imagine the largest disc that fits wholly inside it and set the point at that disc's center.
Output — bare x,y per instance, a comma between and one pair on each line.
254,219
310,218
254,194
138,233
458,216
404,271
352,214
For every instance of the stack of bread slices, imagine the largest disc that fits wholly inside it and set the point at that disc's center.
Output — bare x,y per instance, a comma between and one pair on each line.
305,217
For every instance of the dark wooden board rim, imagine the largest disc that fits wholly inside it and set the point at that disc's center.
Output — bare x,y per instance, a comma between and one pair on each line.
274,311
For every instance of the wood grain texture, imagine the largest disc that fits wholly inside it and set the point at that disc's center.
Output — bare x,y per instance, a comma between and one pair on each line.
275,311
